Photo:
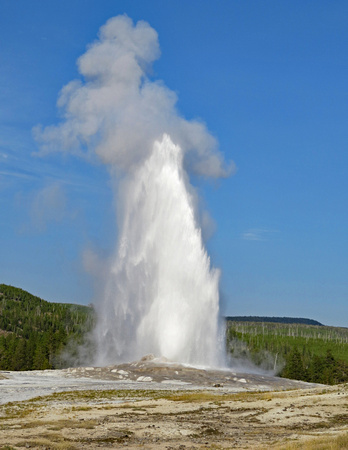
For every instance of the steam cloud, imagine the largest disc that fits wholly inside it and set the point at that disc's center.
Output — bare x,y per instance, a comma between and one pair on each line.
160,294
117,112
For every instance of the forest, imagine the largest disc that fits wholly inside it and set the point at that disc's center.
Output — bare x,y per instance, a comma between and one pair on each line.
313,353
36,334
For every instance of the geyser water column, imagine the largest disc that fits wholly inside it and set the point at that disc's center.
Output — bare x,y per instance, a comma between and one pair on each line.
161,295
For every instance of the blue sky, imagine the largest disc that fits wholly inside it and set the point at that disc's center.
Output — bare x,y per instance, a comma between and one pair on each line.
268,78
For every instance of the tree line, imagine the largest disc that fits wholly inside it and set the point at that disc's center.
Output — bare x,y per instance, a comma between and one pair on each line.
300,320
36,334
316,354
325,369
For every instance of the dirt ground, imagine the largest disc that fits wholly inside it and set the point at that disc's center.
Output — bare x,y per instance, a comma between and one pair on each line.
315,418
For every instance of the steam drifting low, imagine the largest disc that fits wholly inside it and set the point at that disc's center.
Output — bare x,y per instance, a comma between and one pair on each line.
160,293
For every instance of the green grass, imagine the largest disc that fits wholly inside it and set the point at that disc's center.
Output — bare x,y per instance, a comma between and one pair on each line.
319,443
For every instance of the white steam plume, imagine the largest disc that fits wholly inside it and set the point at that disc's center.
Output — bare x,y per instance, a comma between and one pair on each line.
160,294
117,112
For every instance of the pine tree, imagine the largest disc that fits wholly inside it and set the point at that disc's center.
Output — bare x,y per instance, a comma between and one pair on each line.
294,367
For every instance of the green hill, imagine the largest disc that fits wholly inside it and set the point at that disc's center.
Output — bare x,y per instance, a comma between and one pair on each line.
34,333
314,353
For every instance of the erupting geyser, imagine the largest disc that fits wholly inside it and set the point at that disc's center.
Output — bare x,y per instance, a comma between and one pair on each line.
160,294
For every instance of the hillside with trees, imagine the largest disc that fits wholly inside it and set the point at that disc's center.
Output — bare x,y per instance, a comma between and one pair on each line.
35,334
313,353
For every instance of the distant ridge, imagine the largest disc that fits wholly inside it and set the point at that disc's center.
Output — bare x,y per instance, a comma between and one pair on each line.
299,320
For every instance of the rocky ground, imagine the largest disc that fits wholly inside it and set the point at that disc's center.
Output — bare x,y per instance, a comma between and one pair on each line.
155,404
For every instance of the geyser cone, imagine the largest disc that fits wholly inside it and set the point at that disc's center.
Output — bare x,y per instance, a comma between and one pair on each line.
161,295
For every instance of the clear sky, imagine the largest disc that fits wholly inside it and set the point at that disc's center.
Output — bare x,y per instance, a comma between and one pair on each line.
268,78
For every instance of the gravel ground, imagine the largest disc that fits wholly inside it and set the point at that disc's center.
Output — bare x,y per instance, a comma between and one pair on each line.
156,404
313,418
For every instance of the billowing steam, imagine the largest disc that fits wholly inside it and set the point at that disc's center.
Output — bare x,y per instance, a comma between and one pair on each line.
118,113
160,293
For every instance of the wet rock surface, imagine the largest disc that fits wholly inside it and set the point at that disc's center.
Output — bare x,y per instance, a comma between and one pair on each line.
161,371
148,373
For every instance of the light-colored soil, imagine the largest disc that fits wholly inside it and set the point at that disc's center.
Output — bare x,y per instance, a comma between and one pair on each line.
158,419
155,404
